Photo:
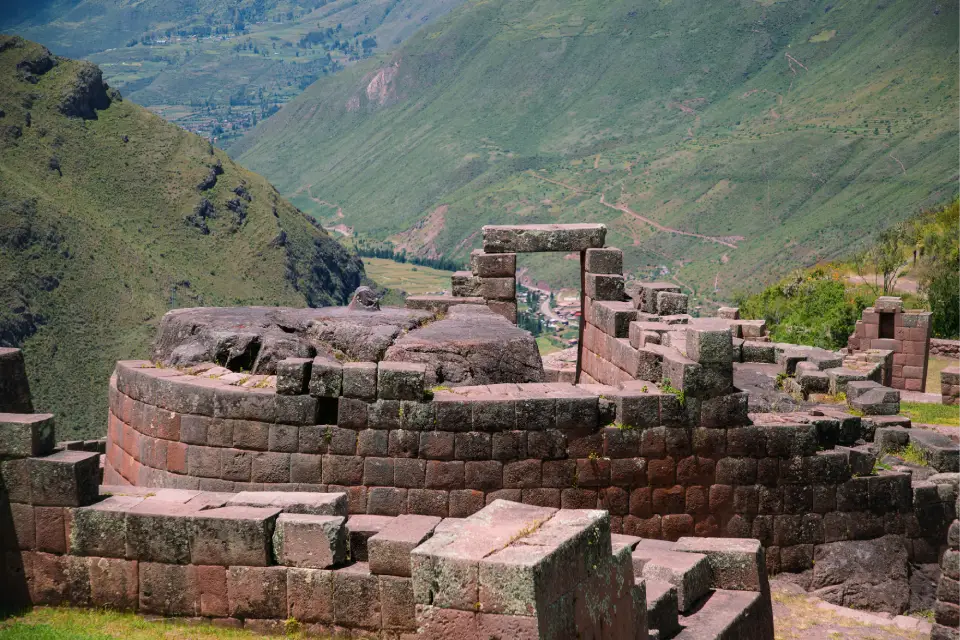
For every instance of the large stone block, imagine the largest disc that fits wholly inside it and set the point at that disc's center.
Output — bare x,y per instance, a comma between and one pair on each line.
356,597
543,237
114,583
599,286
101,529
293,376
445,568
310,595
168,589
535,571
710,346
498,288
389,550
159,531
257,592
493,265
65,479
309,541
400,380
326,378
737,564
24,435
360,380
608,260
233,535
321,504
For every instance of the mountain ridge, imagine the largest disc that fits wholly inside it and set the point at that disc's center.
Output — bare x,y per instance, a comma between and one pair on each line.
110,216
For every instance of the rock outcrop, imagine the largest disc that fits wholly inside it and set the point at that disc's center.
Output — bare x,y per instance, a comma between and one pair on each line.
471,345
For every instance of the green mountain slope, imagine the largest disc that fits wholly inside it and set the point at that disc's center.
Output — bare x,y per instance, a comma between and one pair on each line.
110,216
217,67
784,131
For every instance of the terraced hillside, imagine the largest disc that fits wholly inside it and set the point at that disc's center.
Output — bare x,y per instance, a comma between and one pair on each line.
110,216
724,143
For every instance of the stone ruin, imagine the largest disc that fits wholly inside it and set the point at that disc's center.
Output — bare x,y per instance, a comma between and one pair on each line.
399,473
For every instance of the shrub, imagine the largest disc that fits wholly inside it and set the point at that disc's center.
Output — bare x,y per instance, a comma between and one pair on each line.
811,308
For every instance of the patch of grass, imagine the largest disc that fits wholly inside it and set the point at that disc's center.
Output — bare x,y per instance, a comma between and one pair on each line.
913,454
61,623
928,413
413,279
548,344
935,365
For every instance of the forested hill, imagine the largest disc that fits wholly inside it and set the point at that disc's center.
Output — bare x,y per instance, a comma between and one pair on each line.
110,216
724,142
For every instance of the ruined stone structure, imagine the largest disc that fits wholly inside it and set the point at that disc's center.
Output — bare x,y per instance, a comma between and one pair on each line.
407,471
887,327
950,385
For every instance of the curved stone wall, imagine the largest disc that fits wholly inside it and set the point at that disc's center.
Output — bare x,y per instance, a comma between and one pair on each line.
661,468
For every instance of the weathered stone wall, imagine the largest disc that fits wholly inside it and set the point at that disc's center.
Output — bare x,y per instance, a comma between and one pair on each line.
274,562
662,468
950,385
945,348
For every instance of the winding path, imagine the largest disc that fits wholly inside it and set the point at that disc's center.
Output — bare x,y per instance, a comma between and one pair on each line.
726,241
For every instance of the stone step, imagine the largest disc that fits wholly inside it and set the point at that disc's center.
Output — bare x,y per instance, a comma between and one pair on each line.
688,572
726,615
941,452
662,611
840,376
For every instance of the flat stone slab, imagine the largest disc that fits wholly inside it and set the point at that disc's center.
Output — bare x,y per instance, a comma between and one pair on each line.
314,503
440,303
728,614
255,339
471,345
543,237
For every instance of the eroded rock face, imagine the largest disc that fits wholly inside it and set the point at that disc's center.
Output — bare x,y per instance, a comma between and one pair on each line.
471,345
864,574
256,338
86,94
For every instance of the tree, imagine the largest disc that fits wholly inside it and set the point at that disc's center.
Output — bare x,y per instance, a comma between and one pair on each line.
938,265
884,258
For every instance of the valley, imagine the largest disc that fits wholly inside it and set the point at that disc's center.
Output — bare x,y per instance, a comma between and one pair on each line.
723,145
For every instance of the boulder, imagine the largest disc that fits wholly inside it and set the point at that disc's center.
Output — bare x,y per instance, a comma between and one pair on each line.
471,345
255,339
873,575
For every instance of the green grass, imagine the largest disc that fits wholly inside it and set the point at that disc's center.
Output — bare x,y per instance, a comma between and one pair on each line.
548,344
695,115
411,278
935,365
924,413
93,258
56,623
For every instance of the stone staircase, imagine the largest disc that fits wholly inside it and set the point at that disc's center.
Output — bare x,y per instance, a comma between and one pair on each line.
698,589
